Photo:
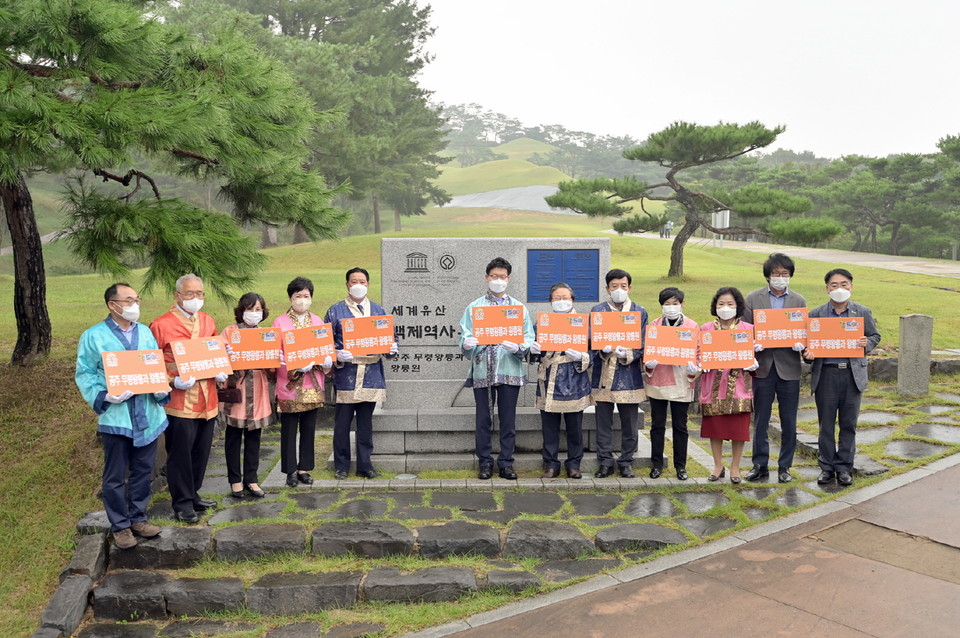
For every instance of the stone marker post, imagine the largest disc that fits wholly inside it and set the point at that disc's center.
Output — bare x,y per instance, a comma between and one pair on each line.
916,342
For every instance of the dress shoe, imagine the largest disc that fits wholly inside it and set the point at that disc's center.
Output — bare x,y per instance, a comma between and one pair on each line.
717,477
626,471
757,473
574,473
844,478
486,472
655,473
735,479
368,474
507,472
123,539
550,472
340,475
681,473
145,529
784,476
187,516
305,478
256,493
238,493
204,504
825,477
603,471
292,479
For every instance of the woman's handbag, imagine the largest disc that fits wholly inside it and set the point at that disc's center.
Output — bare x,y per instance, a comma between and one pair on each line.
231,393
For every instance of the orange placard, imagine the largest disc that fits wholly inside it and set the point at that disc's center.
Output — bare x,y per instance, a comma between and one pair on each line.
310,344
368,335
202,358
615,329
559,331
671,345
254,348
726,349
834,336
139,371
496,324
780,327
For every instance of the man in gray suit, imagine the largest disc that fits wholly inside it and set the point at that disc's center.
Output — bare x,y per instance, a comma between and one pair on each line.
838,383
778,375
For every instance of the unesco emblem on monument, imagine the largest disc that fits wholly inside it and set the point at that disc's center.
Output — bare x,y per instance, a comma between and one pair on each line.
416,262
447,262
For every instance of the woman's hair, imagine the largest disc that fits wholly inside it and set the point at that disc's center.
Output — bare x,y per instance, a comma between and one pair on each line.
737,296
248,301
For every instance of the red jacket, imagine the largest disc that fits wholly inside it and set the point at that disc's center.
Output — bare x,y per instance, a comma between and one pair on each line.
200,401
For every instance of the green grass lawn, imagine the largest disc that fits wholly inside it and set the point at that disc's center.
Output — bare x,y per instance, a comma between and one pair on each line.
47,445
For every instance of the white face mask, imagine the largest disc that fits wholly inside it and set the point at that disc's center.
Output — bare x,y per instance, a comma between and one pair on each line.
840,294
358,291
619,295
252,318
191,306
130,313
497,286
672,312
779,283
726,312
562,305
300,306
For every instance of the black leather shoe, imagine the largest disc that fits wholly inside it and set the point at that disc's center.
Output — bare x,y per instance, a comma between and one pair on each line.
626,471
237,494
757,473
550,472
716,477
340,475
292,479
204,504
655,473
368,474
574,473
486,472
825,477
603,471
254,493
305,478
506,472
784,476
844,478
189,516
682,473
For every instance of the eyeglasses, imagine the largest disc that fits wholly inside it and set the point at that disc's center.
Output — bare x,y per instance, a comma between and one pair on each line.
127,301
499,276
191,295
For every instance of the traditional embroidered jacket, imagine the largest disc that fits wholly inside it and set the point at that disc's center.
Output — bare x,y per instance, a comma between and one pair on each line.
493,365
726,391
362,379
199,401
255,409
296,391
670,383
616,379
563,383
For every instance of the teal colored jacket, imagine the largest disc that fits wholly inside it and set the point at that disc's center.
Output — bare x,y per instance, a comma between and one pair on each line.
140,418
508,368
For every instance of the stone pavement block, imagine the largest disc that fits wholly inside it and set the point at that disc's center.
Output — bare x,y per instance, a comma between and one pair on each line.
244,542
47,632
302,592
511,580
201,596
700,502
68,604
315,500
468,501
354,630
89,557
130,630
594,504
130,595
296,630
374,539
93,523
706,525
651,505
557,571
174,548
545,539
419,513
433,584
360,509
242,513
637,536
204,627
458,538
544,504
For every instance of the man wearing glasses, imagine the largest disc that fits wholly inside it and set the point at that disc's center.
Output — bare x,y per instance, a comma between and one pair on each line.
128,424
193,408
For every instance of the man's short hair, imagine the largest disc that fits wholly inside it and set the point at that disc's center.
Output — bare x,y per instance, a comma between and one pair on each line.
670,293
499,262
111,292
187,277
357,269
559,285
775,260
618,273
298,284
837,271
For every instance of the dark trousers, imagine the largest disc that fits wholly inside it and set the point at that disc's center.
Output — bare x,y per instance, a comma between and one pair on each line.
232,439
628,432
505,397
343,416
838,402
787,394
550,426
658,430
125,499
188,449
290,424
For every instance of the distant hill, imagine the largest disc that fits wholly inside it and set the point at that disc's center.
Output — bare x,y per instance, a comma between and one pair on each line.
497,175
523,148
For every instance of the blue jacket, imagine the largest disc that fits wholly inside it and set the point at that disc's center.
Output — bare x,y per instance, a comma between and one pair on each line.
372,385
140,418
506,368
619,380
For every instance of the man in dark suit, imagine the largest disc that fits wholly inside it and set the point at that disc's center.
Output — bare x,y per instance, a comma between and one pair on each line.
778,375
838,383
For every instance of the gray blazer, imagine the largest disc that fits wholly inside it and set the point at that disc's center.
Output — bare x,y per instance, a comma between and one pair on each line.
787,359
858,364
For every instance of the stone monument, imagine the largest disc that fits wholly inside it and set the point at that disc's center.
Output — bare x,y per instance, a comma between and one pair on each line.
913,367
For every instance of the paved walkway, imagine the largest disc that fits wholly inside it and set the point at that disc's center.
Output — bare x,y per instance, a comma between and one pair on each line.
881,561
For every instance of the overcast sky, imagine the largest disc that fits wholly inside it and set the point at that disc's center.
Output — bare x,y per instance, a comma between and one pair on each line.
845,77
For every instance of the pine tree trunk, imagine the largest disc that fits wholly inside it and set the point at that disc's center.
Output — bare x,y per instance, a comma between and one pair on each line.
396,220
34,332
376,213
690,226
268,236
